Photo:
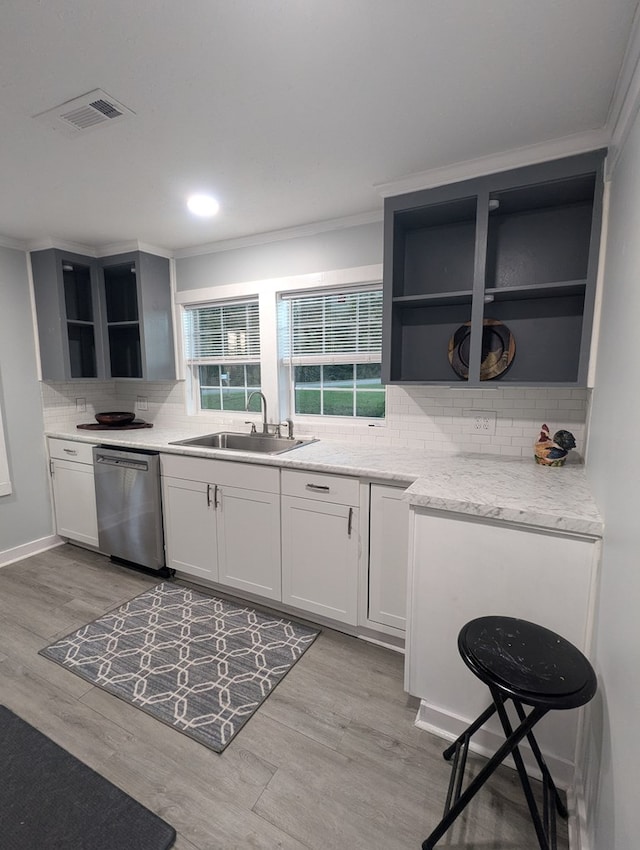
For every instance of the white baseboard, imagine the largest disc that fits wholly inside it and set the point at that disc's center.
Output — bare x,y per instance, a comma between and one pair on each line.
485,743
19,553
576,804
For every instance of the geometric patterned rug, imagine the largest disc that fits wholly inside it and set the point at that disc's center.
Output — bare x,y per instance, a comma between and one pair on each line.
202,665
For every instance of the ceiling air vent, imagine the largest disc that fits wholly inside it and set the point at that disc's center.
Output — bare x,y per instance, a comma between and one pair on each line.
88,112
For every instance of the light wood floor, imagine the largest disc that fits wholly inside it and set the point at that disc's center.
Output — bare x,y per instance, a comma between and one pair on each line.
331,761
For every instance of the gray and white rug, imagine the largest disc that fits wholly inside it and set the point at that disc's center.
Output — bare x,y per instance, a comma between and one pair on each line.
201,664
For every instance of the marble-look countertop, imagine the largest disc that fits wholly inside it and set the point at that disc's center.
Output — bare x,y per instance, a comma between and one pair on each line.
498,488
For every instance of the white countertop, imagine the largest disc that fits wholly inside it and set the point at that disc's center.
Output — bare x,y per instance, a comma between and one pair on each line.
498,488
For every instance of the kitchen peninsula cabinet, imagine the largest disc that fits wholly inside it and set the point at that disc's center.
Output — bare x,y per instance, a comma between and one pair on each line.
320,544
222,522
494,279
74,497
461,568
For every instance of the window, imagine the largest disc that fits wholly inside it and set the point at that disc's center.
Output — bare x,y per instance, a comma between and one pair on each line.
222,349
333,351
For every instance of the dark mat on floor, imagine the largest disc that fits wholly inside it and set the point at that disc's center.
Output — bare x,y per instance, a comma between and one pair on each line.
200,664
49,799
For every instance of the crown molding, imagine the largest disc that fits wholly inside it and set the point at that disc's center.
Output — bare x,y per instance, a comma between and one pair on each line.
503,161
280,235
131,245
16,244
93,251
63,245
626,97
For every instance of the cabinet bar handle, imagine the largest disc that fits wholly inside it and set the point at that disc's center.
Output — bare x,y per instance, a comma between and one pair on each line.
323,488
215,496
52,468
350,522
70,451
208,495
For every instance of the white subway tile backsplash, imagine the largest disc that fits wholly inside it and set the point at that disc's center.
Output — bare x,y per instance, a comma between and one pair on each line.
417,417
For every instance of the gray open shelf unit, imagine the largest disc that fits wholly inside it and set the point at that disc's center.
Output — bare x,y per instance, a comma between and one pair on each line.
520,247
103,318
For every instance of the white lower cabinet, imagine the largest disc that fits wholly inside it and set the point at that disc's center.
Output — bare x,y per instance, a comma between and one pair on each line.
388,554
320,544
460,569
219,531
190,527
74,495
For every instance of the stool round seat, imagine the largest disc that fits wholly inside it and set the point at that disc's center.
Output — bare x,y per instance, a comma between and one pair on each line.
527,662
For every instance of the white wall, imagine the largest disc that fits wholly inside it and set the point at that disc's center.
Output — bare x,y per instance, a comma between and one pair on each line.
334,249
613,753
25,515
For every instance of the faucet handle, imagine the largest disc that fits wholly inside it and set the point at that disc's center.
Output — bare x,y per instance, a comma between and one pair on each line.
289,424
253,425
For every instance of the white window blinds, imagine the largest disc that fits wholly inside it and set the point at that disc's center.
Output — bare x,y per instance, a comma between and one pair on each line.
222,333
334,327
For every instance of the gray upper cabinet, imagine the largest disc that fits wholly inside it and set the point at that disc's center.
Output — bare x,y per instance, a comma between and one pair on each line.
107,318
67,298
137,310
493,279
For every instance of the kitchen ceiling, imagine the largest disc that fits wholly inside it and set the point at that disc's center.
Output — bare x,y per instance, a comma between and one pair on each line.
289,111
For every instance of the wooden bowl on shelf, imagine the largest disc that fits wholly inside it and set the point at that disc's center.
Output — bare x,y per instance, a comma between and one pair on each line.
115,418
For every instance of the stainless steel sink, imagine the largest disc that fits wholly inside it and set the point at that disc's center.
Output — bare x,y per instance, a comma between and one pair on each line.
234,442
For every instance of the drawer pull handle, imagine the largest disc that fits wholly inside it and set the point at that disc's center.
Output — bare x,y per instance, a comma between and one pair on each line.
350,522
70,451
321,488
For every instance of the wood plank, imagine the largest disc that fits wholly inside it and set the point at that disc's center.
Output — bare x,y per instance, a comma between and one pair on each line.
332,759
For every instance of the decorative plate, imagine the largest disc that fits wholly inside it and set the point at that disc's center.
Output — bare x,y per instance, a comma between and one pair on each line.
498,349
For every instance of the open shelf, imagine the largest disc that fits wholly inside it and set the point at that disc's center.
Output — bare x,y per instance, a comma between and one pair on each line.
436,247
421,352
437,299
547,333
524,243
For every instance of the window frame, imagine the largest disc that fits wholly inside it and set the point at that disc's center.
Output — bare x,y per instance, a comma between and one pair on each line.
292,359
274,378
194,362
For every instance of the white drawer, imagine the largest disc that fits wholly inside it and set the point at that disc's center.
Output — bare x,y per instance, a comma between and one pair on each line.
70,450
249,476
315,485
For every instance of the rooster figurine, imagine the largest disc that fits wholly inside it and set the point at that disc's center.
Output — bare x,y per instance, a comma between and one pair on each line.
553,451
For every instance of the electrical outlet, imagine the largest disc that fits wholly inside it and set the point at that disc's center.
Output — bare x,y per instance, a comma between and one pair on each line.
141,403
484,422
81,405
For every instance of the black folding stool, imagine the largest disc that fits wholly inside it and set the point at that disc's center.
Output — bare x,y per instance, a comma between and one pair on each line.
533,667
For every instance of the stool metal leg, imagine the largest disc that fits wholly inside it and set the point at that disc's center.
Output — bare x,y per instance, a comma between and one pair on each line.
459,802
486,714
546,775
540,828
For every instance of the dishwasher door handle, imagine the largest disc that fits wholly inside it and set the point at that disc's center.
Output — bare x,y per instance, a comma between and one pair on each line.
140,465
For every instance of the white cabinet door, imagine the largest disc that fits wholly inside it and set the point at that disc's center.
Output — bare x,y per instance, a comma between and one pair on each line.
249,540
320,558
388,553
74,498
191,537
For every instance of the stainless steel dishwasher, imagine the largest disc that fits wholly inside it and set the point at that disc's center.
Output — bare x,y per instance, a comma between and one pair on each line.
129,506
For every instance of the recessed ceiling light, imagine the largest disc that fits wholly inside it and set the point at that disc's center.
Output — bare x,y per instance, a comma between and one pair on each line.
203,205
